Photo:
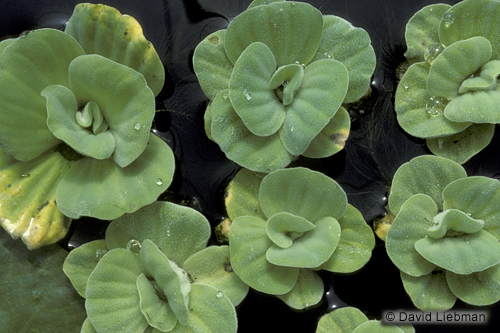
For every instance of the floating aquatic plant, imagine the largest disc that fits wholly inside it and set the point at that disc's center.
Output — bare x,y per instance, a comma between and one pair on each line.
445,236
352,320
276,79
450,94
154,270
289,224
76,109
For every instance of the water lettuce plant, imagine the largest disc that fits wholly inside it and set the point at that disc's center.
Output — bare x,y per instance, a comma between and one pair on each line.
352,320
154,273
276,79
445,236
450,94
287,225
76,109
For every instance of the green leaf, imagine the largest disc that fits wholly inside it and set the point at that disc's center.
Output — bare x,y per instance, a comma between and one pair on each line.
248,244
355,245
309,250
320,196
87,327
480,288
28,198
429,292
36,295
487,80
341,320
211,64
332,137
419,113
289,78
212,266
460,147
425,174
103,30
422,30
110,191
307,292
61,110
456,220
262,2
455,64
128,105
156,311
262,154
27,66
324,87
410,226
171,279
178,230
352,47
291,30
210,311
112,299
283,228
462,254
242,195
251,97
479,107
376,326
469,19
81,261
476,196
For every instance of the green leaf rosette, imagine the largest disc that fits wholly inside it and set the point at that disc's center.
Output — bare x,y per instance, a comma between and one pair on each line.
445,236
76,109
154,272
276,89
449,95
278,239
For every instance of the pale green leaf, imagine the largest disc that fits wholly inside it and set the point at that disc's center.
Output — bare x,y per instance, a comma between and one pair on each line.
110,191
291,30
352,47
81,261
320,196
178,230
422,30
29,65
480,288
410,226
112,299
211,65
212,266
248,244
103,30
480,107
429,292
456,220
323,89
251,97
283,228
307,292
343,320
242,195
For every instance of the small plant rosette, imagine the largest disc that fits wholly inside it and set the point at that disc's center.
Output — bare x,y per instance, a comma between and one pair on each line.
445,236
450,94
76,109
276,79
154,273
352,320
287,225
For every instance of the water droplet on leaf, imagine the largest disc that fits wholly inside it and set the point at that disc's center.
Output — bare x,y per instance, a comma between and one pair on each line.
137,126
220,294
448,19
134,246
435,105
100,253
159,182
431,53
